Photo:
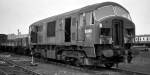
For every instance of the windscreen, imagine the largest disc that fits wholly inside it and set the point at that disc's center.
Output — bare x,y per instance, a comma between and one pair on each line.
104,12
110,10
121,12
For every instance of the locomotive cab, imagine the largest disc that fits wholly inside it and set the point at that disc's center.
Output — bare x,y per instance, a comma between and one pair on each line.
116,33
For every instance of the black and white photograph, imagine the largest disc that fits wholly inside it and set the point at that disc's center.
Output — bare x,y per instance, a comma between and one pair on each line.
74,37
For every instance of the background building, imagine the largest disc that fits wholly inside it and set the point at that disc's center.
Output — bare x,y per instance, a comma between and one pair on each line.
16,40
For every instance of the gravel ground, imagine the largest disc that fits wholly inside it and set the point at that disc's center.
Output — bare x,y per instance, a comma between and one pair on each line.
140,63
52,69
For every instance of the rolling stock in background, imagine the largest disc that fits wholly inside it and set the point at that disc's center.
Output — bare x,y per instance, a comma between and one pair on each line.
15,44
93,35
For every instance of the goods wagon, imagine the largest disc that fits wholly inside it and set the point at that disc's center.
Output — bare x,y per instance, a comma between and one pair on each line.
3,38
17,45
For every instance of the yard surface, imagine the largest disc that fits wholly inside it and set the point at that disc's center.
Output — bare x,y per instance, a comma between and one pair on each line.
140,63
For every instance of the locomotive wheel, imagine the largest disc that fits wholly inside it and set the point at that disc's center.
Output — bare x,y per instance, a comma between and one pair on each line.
77,62
38,55
59,57
108,65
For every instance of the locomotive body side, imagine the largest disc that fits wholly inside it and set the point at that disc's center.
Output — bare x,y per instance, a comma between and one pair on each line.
96,34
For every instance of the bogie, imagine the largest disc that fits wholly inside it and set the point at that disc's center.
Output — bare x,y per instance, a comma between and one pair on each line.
109,65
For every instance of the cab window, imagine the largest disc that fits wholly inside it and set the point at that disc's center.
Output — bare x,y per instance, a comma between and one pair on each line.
104,12
105,31
130,32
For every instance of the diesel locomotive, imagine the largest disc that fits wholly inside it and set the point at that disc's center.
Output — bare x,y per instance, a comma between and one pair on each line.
96,35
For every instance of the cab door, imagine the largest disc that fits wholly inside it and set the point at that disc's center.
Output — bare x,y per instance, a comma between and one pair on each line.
33,34
117,32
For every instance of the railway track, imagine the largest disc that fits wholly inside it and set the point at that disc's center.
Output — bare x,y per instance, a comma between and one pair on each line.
98,70
8,67
94,70
129,72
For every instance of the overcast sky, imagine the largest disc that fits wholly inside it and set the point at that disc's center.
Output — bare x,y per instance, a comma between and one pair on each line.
19,14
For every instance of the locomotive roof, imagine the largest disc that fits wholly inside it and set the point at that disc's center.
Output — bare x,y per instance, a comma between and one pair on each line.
80,10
